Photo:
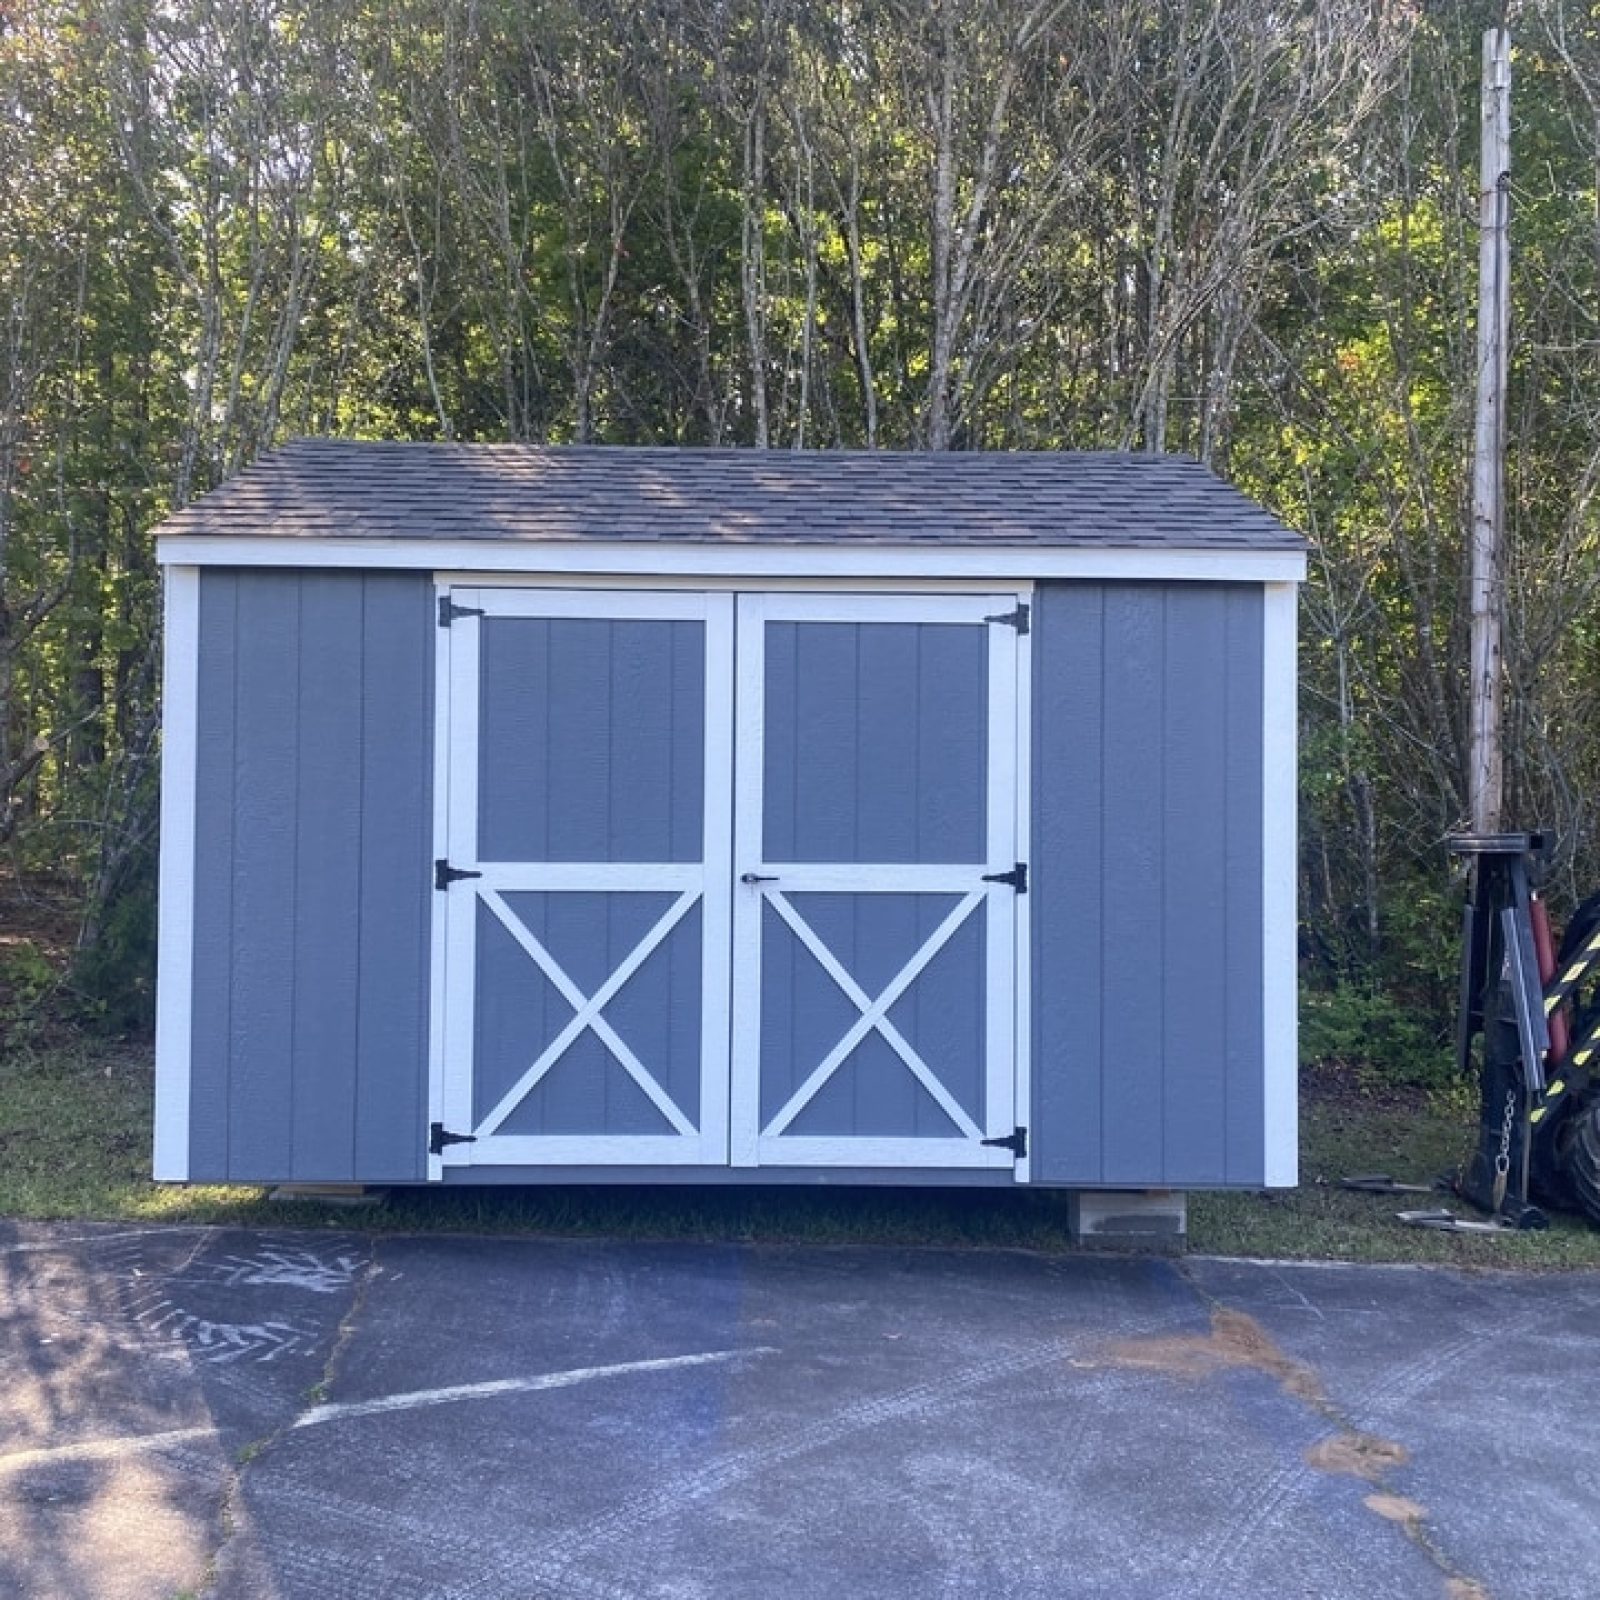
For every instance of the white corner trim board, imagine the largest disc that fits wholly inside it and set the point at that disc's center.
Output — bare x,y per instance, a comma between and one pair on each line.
438,948
648,558
1280,1032
1023,906
180,694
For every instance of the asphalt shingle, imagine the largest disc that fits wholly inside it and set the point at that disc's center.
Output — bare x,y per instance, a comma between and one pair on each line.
324,488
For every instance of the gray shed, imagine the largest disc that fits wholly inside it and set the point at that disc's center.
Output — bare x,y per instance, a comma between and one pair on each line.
539,815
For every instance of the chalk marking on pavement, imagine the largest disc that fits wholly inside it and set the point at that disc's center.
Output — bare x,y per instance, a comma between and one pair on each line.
1305,1304
24,1246
418,1398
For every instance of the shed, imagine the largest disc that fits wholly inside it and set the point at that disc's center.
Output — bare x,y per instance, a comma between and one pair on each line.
610,814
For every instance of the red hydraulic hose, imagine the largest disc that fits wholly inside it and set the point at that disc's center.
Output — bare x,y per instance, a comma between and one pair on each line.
1544,950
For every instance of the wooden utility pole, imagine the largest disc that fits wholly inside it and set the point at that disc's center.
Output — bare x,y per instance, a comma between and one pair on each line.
1485,773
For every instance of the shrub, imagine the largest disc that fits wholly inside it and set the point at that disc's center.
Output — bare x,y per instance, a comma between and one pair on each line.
114,977
1377,1032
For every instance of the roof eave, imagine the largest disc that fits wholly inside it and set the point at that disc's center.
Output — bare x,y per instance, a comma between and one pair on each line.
751,558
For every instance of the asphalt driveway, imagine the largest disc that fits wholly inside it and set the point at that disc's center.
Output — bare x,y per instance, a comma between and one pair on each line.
256,1416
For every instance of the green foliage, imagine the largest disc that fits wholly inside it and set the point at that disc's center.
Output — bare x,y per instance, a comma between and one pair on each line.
1375,1032
113,980
1235,227
26,977
1389,1016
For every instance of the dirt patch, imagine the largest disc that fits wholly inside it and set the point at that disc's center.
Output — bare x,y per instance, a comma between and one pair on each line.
1355,1088
1236,1341
1357,1455
1396,1508
40,911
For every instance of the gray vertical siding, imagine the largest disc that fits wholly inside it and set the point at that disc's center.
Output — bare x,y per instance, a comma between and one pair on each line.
591,740
313,823
313,827
875,742
1147,888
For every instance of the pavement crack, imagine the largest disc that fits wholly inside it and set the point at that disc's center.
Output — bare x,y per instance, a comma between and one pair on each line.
230,1518
341,1340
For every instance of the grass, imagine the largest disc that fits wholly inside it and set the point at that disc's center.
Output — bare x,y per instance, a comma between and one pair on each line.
1413,1135
75,1142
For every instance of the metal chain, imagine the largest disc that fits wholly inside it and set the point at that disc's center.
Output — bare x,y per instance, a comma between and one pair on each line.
1502,1162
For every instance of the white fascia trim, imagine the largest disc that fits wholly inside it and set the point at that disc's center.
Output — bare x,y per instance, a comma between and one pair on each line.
1279,931
749,560
180,696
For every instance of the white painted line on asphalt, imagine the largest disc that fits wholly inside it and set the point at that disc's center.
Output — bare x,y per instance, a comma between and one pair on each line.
107,1449
419,1398
101,1449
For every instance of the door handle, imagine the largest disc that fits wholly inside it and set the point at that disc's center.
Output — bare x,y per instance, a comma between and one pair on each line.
757,877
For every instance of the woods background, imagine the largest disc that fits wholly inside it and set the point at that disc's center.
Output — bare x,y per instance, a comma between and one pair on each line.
1239,228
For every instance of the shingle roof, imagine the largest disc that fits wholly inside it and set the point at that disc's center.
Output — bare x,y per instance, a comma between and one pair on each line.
321,488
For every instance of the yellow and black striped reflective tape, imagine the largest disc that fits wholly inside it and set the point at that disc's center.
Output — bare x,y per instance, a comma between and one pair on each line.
1552,1090
1573,972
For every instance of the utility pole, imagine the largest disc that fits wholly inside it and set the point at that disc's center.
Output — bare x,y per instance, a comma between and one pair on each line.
1485,772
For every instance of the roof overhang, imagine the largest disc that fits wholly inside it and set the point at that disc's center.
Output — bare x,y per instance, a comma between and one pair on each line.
785,559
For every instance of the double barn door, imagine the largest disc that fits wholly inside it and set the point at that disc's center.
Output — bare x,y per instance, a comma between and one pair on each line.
727,879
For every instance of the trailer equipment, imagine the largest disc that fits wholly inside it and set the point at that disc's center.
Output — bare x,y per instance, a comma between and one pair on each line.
1536,1011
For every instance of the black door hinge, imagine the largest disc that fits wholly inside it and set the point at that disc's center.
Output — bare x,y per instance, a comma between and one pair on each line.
444,874
1017,619
449,611
1017,877
1016,1143
438,1138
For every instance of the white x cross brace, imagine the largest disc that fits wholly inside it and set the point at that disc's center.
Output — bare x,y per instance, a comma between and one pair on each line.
587,1011
874,1014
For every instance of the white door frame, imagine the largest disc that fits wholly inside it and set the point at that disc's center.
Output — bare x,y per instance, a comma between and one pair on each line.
707,882
753,1144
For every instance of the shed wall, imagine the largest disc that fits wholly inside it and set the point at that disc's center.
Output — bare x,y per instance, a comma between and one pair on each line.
1147,871
313,844
312,833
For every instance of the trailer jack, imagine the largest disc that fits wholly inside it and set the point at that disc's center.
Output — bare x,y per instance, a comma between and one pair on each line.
1528,1026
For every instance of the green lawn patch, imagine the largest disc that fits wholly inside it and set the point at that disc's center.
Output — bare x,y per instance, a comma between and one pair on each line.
1415,1136
75,1143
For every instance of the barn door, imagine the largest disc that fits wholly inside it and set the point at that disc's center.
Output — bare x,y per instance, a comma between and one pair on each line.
877,907
586,886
